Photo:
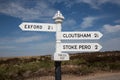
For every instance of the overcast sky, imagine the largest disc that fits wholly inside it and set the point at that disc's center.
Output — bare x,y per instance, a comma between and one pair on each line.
80,15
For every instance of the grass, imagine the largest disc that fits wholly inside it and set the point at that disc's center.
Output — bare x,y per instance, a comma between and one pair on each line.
20,68
10,71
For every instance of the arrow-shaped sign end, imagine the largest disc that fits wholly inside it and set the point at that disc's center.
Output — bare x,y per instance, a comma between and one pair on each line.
21,26
100,34
99,47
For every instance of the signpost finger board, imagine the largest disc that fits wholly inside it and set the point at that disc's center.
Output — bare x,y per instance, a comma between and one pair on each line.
80,47
25,26
81,35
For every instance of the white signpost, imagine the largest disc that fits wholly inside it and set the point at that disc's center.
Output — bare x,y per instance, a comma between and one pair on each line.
25,26
58,56
80,47
64,47
81,35
61,56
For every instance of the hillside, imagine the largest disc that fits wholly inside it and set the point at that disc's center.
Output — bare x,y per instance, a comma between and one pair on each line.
19,68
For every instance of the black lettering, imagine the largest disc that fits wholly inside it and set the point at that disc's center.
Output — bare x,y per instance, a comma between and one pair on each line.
64,35
84,47
96,35
69,46
63,46
28,26
40,27
50,27
75,35
96,46
25,26
88,35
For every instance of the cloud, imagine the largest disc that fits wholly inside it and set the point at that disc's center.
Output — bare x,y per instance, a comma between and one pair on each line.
69,23
23,11
21,46
45,48
93,3
117,21
43,10
88,22
28,39
31,49
7,47
107,28
24,39
97,3
111,44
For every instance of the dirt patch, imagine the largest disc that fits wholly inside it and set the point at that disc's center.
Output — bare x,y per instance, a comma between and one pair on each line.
95,76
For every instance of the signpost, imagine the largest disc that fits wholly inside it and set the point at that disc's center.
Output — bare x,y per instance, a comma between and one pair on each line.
59,56
58,20
86,47
81,35
25,26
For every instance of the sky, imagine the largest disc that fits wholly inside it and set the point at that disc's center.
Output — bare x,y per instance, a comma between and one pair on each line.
80,15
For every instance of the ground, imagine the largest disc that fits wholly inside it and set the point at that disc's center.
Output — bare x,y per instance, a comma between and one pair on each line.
95,76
